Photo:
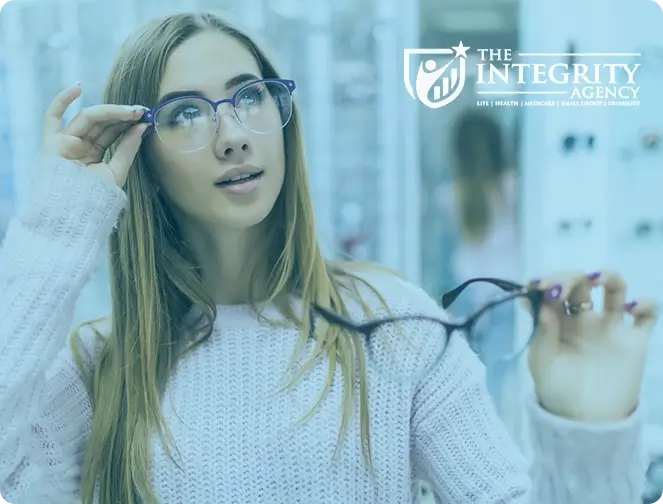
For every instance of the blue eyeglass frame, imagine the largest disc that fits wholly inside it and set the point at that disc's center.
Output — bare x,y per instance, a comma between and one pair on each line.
150,115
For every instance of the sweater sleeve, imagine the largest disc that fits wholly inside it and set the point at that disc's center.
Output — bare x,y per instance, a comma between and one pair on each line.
462,447
49,251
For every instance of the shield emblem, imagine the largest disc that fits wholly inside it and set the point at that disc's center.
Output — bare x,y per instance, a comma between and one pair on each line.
439,78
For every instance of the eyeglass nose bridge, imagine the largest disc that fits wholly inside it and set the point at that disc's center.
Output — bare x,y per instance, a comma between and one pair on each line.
218,111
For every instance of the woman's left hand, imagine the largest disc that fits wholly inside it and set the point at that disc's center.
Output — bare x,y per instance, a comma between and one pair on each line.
589,366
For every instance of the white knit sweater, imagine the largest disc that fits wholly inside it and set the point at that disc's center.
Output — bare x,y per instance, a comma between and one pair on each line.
236,438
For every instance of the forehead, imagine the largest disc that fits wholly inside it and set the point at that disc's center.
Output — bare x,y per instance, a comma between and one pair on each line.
206,62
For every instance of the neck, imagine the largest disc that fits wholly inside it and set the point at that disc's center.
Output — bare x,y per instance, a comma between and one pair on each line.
225,257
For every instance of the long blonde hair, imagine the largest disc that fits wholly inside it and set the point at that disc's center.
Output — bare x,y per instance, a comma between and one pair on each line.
155,282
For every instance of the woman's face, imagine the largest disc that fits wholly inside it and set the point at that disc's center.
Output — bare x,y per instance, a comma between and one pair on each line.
214,65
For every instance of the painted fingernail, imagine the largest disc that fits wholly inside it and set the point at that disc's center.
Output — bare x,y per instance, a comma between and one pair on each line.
535,282
594,276
133,108
629,306
554,292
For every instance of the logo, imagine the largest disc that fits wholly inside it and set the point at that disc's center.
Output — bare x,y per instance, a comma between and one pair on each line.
451,73
506,79
2,4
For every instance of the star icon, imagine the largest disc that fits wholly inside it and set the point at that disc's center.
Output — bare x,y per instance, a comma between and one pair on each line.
460,50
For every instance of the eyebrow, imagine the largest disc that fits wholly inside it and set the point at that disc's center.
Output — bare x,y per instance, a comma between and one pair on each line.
235,81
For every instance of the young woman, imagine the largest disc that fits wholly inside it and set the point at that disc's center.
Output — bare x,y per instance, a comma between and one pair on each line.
212,382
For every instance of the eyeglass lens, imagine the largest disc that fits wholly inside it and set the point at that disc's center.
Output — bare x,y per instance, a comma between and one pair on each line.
190,123
492,335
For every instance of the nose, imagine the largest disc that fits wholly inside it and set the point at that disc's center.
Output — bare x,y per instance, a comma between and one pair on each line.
232,139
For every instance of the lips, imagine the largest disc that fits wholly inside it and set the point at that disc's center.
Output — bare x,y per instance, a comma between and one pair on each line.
239,175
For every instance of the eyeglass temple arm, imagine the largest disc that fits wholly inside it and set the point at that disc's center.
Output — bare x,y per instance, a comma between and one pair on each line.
147,117
334,318
506,285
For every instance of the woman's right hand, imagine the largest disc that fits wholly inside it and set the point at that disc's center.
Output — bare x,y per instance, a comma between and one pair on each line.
91,132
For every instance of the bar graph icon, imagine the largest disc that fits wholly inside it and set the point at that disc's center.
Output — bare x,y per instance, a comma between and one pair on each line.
448,83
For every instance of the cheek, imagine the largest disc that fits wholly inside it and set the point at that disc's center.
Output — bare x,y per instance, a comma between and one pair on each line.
276,154
180,184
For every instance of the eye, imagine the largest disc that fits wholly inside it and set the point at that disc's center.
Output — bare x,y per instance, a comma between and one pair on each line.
183,114
253,95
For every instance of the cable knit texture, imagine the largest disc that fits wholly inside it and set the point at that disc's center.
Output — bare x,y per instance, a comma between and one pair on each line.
237,436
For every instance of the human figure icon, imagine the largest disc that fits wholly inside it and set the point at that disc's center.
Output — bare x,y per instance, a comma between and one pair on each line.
427,75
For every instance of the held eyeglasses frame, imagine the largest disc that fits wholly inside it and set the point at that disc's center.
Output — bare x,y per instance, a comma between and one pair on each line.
150,115
513,291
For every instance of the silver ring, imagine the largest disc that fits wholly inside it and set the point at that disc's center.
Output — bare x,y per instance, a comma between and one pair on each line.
575,308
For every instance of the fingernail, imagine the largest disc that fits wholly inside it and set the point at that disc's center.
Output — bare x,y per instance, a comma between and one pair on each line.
630,306
594,276
554,292
535,282
78,84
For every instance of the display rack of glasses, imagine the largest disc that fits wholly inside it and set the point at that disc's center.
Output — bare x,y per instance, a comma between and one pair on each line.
597,203
638,235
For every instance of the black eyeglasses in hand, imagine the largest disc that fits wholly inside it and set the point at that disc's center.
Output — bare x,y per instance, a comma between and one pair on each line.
408,347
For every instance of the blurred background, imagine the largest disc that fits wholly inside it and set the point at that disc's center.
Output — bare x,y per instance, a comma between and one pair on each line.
441,194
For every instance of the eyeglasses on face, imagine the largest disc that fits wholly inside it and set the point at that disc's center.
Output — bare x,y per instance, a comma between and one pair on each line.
191,122
408,347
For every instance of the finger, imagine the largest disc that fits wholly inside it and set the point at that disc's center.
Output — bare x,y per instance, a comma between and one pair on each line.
544,315
572,286
546,340
126,151
615,292
580,288
526,304
58,107
111,133
101,116
645,313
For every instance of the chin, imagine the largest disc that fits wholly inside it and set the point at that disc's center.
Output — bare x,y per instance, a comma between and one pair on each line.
244,218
